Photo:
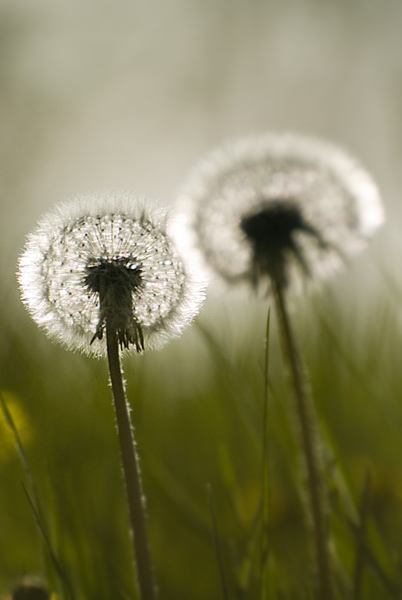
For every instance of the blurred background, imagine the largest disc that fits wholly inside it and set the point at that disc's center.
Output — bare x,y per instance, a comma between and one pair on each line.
131,94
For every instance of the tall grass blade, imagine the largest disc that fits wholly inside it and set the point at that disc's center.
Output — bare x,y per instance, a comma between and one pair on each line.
348,361
394,588
55,561
33,500
20,449
265,473
361,537
218,548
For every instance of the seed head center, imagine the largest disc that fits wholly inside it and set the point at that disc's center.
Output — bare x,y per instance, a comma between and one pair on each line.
115,281
270,232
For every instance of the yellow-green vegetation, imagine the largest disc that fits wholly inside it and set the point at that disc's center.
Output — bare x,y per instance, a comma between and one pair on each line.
198,407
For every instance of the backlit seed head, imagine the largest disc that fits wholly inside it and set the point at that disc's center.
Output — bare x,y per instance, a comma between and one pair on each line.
278,206
106,260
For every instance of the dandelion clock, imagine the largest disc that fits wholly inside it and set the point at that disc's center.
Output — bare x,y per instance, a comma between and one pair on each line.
101,274
282,206
106,258
278,211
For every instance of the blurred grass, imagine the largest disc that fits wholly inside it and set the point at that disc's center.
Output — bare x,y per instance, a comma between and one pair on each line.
197,407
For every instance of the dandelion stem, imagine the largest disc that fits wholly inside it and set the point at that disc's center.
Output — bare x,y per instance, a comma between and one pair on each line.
131,471
305,412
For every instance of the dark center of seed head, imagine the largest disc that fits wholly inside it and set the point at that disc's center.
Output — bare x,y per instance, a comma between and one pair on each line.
115,281
270,232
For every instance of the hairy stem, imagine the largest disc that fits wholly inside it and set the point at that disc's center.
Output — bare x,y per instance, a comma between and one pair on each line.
131,471
305,413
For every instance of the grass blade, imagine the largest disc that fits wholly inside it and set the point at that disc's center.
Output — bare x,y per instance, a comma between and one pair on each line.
218,548
265,474
53,557
361,536
33,499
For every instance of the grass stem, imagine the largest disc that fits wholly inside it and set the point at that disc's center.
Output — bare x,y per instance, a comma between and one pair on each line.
131,471
265,472
224,587
361,539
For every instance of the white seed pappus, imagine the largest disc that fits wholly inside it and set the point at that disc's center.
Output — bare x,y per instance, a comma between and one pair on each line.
333,194
105,227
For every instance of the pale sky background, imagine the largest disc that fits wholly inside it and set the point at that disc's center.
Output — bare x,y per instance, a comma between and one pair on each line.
127,94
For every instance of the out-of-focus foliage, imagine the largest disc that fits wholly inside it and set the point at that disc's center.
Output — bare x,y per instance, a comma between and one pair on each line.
197,407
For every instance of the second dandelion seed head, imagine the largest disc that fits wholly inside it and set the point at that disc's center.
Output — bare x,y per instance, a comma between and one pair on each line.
278,205
106,260
270,232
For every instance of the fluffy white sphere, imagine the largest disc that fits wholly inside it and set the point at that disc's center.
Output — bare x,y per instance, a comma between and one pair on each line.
278,205
107,255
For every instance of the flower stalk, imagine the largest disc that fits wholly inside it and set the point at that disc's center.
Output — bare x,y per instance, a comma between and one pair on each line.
101,274
131,471
305,413
282,209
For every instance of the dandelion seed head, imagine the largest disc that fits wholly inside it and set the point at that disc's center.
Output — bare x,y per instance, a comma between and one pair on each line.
107,256
284,206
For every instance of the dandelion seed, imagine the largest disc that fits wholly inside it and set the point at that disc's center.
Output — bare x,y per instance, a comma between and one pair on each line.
281,206
106,257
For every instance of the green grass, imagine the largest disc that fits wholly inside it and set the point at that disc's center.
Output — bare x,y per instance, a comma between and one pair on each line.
197,408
